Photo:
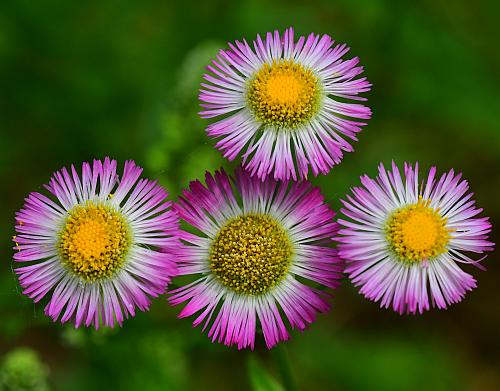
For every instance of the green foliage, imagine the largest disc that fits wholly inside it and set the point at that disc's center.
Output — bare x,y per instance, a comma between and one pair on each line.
22,370
381,361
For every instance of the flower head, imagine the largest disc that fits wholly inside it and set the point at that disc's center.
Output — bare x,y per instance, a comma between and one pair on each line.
286,105
256,244
100,243
404,240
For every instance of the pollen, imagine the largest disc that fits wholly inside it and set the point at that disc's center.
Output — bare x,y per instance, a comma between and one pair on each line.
94,241
284,94
251,254
417,232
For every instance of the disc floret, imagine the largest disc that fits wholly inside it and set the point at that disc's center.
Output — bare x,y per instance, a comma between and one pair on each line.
251,254
417,232
94,241
284,94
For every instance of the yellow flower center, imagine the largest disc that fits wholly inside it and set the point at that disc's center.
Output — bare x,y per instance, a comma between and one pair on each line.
94,241
284,94
417,232
251,254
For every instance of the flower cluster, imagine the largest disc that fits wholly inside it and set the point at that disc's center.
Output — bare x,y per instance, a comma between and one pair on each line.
261,247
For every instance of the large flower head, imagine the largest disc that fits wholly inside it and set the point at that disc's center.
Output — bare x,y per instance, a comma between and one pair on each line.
286,106
255,246
100,243
404,239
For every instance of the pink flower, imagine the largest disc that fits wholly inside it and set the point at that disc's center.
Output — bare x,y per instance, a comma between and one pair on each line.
100,245
285,106
404,239
260,250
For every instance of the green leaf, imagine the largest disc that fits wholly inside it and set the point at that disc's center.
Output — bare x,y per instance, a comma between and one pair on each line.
260,378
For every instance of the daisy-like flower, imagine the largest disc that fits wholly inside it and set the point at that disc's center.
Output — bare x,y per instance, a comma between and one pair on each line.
285,105
404,240
254,248
100,244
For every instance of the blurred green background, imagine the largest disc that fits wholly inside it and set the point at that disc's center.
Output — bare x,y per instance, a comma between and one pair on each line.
80,80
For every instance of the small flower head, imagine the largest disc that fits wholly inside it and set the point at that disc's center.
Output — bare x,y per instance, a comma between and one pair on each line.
101,244
286,105
403,240
261,250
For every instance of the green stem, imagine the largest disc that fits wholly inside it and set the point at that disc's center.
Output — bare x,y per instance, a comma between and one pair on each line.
283,361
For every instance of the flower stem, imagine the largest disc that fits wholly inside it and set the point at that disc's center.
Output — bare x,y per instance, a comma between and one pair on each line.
283,361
